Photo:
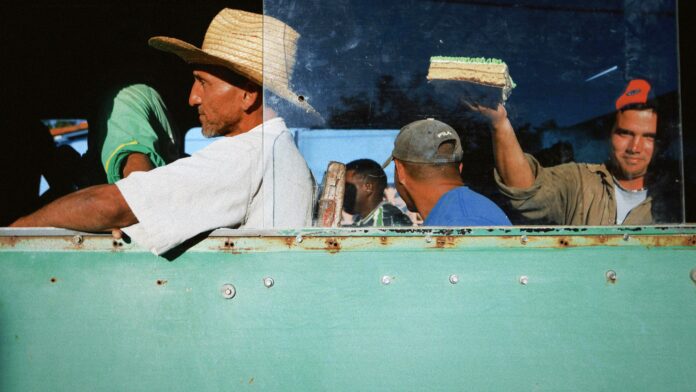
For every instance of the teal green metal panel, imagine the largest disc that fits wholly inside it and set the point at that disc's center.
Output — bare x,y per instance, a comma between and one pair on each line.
78,314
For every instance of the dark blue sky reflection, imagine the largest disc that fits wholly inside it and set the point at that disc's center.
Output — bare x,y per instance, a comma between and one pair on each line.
551,47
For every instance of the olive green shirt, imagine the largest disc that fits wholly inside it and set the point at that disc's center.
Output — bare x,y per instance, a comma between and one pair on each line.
571,194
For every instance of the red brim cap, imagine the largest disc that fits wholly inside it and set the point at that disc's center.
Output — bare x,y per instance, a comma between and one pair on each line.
636,92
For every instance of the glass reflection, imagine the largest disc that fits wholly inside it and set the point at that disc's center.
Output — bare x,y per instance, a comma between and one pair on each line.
363,66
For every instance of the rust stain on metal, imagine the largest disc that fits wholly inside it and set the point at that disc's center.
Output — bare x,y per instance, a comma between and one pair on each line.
444,242
229,246
601,239
10,241
289,241
53,279
332,245
564,242
161,282
383,240
656,241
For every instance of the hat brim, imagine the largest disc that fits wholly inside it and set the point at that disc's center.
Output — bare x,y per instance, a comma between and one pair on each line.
194,55
388,161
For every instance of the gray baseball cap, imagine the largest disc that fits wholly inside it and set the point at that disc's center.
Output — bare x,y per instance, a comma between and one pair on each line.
419,141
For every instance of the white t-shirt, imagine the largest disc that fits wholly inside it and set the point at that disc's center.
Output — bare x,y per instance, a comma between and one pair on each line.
626,201
254,180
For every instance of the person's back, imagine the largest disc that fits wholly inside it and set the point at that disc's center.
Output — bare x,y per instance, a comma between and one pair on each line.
427,156
463,207
287,186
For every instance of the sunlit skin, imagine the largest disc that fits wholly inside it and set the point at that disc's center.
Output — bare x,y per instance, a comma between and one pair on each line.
224,108
421,195
632,146
221,105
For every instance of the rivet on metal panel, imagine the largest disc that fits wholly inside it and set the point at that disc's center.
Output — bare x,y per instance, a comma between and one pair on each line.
524,279
77,239
524,240
428,238
268,282
611,276
386,280
228,291
693,275
626,237
454,279
298,239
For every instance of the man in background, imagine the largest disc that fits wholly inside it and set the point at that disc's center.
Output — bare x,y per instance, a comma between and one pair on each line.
427,156
364,197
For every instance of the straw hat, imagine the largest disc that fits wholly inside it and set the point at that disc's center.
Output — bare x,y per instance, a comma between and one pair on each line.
258,47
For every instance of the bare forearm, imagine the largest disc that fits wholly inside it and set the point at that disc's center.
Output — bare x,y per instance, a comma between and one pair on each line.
97,208
137,162
509,157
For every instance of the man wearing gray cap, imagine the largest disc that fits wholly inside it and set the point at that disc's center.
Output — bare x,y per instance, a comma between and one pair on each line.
427,158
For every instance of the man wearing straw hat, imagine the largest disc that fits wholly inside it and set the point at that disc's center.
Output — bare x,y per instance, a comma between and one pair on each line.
252,177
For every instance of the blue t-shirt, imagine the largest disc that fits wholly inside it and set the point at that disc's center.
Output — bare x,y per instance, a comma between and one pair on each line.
464,207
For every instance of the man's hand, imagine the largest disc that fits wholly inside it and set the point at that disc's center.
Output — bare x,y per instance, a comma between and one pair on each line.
497,116
510,161
117,234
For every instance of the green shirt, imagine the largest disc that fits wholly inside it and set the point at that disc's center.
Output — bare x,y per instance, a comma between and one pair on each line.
137,121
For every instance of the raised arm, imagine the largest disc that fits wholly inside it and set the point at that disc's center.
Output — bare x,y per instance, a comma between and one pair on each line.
509,157
97,208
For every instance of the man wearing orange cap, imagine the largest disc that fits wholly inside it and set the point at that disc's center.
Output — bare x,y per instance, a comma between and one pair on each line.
252,177
611,193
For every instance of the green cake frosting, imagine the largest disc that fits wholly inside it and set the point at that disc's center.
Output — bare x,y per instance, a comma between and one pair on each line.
477,60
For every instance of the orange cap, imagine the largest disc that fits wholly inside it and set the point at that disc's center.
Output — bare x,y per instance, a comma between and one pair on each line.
636,92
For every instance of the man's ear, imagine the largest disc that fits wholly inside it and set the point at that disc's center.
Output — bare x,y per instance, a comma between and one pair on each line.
251,98
401,172
369,188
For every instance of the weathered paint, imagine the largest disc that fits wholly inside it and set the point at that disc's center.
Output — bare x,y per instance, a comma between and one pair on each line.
565,309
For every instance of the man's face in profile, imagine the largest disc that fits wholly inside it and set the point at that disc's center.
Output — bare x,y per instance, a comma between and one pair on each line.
633,142
218,102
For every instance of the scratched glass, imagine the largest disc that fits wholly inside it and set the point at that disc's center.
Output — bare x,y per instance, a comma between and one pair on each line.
363,64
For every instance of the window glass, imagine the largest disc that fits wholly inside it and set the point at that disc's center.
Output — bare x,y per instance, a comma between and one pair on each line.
363,66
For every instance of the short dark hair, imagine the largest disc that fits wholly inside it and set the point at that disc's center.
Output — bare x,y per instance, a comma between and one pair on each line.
424,171
370,170
650,105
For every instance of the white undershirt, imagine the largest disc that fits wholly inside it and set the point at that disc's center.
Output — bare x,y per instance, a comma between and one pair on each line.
627,200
